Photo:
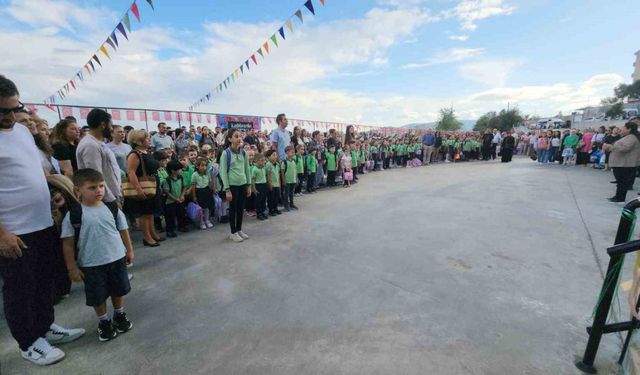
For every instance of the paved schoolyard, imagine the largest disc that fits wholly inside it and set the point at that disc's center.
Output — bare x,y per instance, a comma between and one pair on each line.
473,268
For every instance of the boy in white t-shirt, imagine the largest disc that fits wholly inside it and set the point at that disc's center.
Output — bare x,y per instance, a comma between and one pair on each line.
103,243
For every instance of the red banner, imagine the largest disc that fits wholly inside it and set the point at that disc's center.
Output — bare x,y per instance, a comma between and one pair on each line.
199,117
131,116
84,112
209,119
167,116
155,116
115,114
143,116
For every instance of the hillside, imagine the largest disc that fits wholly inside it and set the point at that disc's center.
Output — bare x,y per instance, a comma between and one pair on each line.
468,125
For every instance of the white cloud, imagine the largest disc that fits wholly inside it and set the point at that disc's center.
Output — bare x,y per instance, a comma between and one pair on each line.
60,14
469,12
491,72
450,56
459,38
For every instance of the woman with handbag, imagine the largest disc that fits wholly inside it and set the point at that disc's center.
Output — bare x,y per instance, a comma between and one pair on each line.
141,187
624,159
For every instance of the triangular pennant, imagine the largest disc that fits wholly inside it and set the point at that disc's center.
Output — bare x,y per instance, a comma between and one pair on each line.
247,64
136,12
111,43
86,66
241,69
73,84
261,54
126,21
151,3
104,50
114,38
265,46
309,6
299,14
255,61
274,39
289,25
281,31
80,77
121,28
225,84
322,2
66,87
97,60
208,96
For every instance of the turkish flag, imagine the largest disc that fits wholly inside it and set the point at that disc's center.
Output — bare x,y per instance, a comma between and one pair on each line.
199,116
84,112
115,114
67,111
143,116
167,116
155,116
209,119
131,116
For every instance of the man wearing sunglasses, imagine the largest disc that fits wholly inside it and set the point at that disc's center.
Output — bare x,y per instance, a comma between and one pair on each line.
26,235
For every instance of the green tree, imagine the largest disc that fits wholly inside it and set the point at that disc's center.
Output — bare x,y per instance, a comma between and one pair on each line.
615,110
487,121
448,120
609,101
509,119
631,91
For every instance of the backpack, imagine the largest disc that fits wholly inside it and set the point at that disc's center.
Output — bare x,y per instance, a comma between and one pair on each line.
228,152
75,217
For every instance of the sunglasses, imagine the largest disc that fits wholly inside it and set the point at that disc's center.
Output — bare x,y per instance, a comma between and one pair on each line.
6,112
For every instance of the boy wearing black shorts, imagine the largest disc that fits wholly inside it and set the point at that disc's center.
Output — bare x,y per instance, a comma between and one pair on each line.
99,232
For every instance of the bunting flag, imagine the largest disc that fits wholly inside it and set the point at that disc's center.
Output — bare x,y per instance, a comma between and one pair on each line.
122,27
151,3
266,47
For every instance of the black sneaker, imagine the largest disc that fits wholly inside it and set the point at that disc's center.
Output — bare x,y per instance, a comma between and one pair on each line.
273,213
121,323
106,330
286,209
278,212
260,217
293,206
172,234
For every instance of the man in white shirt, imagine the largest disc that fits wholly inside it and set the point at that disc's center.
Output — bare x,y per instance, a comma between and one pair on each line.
27,240
497,139
161,140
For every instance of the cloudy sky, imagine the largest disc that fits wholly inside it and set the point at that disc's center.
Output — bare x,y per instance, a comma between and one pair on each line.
385,62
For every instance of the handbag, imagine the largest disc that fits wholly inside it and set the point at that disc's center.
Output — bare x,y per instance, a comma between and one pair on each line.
194,212
348,176
148,184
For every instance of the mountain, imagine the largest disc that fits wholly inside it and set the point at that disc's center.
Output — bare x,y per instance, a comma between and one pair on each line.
468,125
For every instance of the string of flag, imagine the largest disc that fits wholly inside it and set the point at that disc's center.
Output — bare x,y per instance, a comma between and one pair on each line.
95,62
263,51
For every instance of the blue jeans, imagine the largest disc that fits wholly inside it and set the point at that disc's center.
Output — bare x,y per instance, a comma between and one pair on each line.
543,156
552,154
319,176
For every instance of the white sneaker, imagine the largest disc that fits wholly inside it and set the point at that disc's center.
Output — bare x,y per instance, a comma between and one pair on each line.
243,235
203,226
42,353
209,224
235,237
61,335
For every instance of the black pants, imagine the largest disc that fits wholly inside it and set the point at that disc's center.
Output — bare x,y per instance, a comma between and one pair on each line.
486,152
355,172
274,195
311,178
507,154
289,190
494,147
28,306
236,207
174,212
299,183
250,203
61,283
261,198
331,178
625,178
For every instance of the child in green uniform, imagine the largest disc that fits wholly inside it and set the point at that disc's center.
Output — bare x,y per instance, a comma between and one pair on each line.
299,159
175,189
259,186
354,161
331,161
289,172
236,181
312,167
273,181
201,192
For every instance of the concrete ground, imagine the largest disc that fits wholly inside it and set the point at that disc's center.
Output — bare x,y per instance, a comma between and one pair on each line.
473,268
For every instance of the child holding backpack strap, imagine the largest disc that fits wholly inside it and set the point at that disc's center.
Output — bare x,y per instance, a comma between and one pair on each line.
201,192
175,188
236,181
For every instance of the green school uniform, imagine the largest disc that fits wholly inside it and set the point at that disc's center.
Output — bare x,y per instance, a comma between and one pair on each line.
162,175
363,157
410,149
274,171
172,185
238,172
259,175
331,161
201,181
187,173
312,164
290,171
374,149
300,164
354,158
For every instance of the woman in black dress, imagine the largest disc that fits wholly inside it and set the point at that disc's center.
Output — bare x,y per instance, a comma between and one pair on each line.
66,135
508,144
142,206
